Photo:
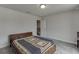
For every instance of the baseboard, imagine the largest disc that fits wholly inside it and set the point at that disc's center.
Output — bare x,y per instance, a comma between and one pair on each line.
61,40
68,42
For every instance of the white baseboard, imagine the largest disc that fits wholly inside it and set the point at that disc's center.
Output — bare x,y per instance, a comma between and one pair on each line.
62,40
68,42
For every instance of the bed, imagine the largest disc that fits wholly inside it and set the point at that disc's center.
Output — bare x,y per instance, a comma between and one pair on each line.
26,43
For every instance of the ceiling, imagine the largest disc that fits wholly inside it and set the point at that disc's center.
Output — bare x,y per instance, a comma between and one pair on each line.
36,10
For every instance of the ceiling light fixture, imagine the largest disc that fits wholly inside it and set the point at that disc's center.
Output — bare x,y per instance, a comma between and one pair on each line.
42,6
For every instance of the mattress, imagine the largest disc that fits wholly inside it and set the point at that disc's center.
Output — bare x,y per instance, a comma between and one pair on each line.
33,45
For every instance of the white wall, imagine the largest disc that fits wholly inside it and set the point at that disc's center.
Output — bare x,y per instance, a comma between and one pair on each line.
14,22
63,26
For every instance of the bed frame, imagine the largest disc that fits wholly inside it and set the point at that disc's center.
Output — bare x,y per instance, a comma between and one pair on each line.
13,37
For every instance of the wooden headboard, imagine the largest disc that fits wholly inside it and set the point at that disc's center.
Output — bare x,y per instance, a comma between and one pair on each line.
18,36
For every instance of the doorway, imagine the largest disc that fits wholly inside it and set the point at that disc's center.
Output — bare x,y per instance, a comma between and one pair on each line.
38,27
